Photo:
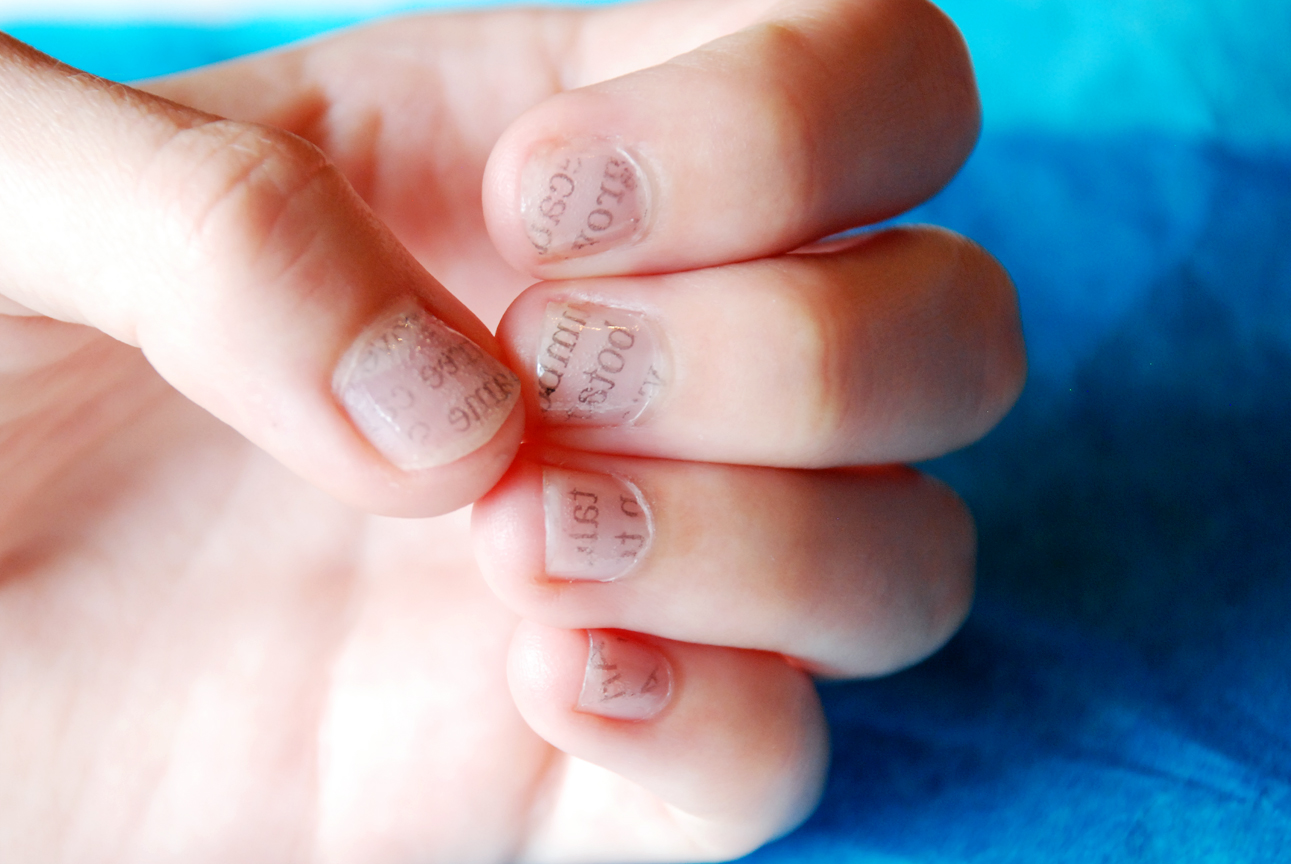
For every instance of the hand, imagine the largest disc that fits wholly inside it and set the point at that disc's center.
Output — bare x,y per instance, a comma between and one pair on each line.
201,655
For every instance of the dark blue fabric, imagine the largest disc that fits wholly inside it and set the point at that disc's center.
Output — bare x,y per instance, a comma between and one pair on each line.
1122,690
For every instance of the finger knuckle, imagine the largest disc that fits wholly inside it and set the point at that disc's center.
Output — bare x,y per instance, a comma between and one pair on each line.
938,568
225,187
999,369
931,59
1007,372
911,586
813,350
950,570
960,306
757,75
950,76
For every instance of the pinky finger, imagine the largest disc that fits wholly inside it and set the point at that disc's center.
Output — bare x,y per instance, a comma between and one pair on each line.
674,751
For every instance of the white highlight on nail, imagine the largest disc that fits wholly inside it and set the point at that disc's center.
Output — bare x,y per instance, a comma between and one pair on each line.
596,365
598,525
422,393
625,679
582,197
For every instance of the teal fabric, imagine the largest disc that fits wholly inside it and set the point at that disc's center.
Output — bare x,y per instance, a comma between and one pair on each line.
1122,690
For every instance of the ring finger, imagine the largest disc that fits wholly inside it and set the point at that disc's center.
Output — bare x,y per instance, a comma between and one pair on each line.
855,572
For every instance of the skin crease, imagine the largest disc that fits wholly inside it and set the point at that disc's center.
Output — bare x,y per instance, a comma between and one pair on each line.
204,658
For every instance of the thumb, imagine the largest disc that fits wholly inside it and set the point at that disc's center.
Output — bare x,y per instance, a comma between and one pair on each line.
255,281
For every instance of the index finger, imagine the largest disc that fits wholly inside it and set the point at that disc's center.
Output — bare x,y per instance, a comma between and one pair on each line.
772,125
818,117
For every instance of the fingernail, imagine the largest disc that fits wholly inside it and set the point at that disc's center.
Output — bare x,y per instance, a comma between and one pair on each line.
597,366
580,198
625,679
423,394
598,525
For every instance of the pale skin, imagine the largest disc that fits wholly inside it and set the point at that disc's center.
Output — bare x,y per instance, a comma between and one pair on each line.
212,649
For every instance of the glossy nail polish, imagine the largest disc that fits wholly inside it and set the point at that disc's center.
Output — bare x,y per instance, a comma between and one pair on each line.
598,525
580,198
597,365
422,393
625,679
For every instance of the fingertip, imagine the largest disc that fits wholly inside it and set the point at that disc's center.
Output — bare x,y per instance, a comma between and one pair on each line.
736,744
949,599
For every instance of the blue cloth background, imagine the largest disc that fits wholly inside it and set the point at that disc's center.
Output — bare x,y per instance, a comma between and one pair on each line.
1122,691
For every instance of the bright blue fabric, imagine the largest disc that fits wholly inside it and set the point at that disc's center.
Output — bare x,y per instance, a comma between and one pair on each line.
1122,690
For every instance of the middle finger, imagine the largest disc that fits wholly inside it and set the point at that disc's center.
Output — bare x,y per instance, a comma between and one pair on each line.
898,347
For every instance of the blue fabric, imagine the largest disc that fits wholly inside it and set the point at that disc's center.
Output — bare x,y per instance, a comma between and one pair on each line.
1122,690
